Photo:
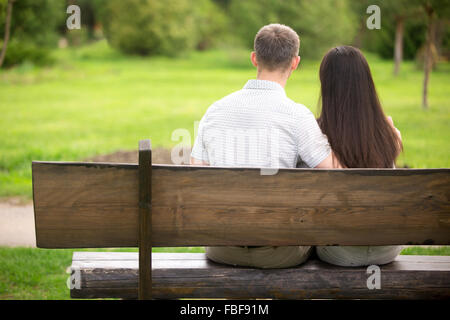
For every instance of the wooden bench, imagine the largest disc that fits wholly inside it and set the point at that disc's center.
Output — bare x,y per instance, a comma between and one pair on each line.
105,205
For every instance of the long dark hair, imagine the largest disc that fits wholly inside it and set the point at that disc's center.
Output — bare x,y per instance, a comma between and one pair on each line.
351,115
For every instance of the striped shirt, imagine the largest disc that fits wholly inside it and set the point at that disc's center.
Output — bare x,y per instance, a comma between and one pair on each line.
259,126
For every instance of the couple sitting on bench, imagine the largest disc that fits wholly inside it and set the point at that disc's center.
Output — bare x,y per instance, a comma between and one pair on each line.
259,126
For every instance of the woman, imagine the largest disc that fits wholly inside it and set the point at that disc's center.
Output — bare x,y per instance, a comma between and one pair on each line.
360,135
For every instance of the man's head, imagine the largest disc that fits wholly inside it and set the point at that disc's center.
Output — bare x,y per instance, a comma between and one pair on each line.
276,49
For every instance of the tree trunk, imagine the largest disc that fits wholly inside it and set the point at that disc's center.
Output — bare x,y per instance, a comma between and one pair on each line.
7,31
398,49
428,59
357,41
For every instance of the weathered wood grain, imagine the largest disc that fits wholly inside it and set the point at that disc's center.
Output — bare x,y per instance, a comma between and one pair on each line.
114,275
96,205
145,220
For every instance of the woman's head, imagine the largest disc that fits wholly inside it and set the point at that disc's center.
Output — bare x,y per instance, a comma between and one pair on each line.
351,116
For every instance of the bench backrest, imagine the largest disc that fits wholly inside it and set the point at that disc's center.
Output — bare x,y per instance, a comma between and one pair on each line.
97,205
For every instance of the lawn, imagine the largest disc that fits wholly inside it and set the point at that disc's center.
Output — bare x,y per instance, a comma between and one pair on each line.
94,100
29,273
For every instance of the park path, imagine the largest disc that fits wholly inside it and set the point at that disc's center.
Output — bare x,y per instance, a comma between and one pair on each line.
17,224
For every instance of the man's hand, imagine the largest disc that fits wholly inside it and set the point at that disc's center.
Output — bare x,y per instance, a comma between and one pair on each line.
196,162
391,122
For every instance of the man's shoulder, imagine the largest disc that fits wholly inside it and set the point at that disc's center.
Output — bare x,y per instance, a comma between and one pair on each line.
295,109
296,106
231,98
241,98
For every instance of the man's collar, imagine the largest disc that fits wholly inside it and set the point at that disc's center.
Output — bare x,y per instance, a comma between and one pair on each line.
264,85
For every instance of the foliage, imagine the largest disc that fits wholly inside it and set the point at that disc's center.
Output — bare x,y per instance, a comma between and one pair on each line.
91,13
152,27
35,21
172,27
33,29
20,52
412,11
211,24
320,24
382,41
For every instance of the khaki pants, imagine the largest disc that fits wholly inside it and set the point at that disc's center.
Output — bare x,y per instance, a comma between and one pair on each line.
260,257
357,256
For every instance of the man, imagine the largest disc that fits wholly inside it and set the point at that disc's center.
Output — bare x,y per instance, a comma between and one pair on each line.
259,126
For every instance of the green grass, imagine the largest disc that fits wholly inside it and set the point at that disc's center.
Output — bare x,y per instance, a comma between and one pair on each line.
427,251
96,101
29,273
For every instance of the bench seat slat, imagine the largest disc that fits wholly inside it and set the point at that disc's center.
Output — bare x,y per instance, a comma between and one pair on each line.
191,275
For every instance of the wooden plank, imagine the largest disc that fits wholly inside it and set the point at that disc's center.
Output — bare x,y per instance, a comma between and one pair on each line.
123,256
408,277
145,220
94,205
111,260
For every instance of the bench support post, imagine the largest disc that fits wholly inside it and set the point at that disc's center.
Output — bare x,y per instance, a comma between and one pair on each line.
145,220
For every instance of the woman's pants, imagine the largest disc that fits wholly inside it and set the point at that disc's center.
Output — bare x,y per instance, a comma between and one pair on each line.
356,256
260,257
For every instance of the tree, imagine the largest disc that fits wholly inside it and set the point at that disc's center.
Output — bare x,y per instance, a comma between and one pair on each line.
7,31
396,13
359,9
433,9
400,10
90,18
430,39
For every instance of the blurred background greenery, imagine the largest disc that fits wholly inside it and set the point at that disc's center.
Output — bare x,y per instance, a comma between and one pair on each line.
174,27
143,68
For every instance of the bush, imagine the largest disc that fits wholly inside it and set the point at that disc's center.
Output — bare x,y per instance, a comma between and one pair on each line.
20,52
149,27
33,30
171,27
35,21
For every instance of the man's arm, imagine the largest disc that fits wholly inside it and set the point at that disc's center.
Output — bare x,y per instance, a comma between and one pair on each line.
330,162
313,144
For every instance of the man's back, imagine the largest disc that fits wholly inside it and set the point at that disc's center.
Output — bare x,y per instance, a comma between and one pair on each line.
259,126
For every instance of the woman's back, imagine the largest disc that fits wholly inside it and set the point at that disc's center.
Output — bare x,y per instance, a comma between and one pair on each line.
359,133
